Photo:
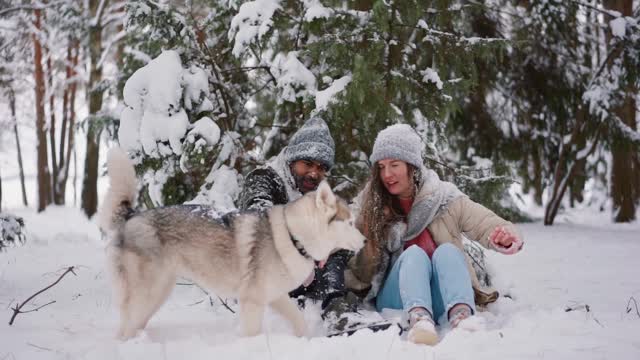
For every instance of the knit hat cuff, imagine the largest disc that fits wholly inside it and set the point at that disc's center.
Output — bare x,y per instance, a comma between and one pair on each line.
397,154
310,151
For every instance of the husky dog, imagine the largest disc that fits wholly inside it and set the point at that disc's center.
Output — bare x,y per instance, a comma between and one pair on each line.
255,257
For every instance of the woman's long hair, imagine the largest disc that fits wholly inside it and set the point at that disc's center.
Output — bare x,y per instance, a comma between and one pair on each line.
380,208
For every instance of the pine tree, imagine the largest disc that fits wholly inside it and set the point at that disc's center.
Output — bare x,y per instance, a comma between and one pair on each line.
363,65
14,69
622,66
197,163
559,94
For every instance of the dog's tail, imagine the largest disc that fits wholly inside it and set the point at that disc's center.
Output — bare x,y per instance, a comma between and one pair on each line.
117,205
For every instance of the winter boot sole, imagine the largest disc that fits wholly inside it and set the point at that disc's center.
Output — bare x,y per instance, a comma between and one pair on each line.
422,336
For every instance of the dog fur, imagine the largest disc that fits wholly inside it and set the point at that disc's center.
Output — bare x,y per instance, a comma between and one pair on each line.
249,256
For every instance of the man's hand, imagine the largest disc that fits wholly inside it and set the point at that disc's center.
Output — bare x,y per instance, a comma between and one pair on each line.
505,242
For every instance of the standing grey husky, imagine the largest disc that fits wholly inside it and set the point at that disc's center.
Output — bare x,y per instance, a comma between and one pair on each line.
256,258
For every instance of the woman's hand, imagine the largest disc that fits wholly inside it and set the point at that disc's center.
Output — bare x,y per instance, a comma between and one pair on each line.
505,242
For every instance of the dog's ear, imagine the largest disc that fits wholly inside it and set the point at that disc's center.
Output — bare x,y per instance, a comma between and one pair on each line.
325,199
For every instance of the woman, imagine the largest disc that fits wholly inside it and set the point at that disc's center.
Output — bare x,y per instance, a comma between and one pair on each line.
414,222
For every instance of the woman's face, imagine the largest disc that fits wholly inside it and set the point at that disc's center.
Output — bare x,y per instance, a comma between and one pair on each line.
395,177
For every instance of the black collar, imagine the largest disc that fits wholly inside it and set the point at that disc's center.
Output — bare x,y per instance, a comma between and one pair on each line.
296,243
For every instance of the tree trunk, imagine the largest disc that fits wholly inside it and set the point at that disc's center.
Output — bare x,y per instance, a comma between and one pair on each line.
68,100
52,130
623,169
72,122
44,178
568,163
65,107
90,180
569,156
12,105
538,185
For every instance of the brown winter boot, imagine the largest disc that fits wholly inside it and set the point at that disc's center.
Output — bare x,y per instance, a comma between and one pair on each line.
483,298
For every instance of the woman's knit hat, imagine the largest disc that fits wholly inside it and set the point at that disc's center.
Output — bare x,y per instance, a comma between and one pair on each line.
399,141
312,142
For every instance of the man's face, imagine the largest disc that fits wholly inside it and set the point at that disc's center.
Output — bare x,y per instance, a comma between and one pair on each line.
307,174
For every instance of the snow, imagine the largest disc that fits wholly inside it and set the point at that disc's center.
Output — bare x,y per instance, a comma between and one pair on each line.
198,85
315,10
223,190
153,96
430,75
251,23
327,96
207,129
572,264
155,181
618,27
294,79
159,127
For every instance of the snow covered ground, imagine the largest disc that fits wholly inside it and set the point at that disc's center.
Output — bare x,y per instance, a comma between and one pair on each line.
583,260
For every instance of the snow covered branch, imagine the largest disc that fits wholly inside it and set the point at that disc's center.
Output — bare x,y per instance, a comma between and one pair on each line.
11,230
37,6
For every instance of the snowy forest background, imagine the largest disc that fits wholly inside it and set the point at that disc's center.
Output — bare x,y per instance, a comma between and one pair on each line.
540,94
530,107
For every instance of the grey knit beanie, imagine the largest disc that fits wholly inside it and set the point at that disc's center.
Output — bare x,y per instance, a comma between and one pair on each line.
399,142
312,142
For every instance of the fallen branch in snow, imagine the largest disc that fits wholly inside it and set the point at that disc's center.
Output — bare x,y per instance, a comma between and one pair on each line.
226,305
635,303
577,307
16,310
223,302
196,303
584,307
39,347
598,321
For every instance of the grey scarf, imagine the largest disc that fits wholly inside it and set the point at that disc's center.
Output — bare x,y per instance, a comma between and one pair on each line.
432,198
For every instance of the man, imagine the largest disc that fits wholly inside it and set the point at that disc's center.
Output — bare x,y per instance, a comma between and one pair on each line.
298,169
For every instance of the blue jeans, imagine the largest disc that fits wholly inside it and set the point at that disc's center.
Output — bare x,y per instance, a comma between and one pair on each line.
435,284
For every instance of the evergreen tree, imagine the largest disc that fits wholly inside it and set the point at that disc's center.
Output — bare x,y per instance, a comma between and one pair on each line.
194,163
364,65
557,95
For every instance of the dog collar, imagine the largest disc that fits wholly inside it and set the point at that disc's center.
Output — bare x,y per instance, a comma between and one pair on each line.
296,243
299,247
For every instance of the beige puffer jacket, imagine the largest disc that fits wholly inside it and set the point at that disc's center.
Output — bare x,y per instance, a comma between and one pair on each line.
368,269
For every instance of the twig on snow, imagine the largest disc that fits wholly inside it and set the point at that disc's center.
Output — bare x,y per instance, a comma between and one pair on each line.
226,305
38,308
635,303
578,307
196,303
39,347
599,323
16,310
584,307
